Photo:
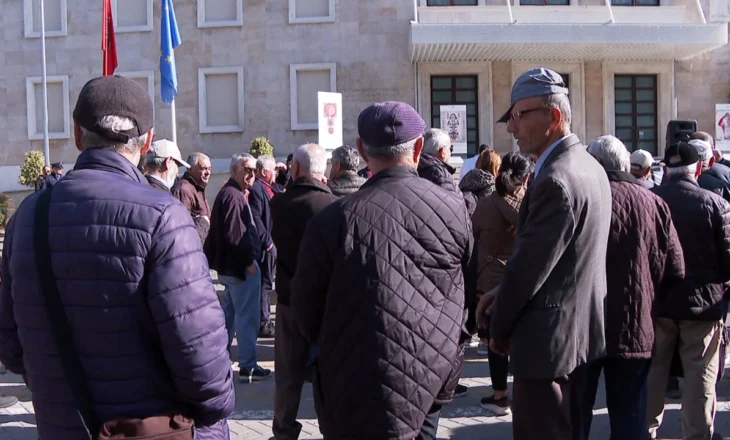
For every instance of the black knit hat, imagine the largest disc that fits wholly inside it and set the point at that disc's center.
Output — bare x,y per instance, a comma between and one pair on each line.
114,96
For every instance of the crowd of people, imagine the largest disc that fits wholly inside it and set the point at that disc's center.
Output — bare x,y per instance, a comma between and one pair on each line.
566,261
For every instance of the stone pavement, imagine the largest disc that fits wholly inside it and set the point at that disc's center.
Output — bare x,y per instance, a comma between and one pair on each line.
462,420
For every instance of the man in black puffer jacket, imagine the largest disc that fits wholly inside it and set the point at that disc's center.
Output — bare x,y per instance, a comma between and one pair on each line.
434,164
384,267
344,179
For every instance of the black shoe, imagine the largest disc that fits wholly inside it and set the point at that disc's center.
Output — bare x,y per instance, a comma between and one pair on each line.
255,374
461,391
498,407
267,330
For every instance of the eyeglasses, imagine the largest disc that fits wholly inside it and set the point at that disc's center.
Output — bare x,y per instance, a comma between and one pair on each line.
517,115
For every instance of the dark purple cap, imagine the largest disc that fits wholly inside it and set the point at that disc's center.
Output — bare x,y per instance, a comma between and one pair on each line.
385,124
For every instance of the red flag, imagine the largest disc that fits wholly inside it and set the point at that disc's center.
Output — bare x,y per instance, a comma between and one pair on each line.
108,42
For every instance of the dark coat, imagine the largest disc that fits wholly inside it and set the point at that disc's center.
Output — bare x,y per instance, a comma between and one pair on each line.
435,170
291,212
233,242
717,180
550,303
156,183
52,179
702,220
383,267
644,258
133,278
192,195
476,185
259,201
346,184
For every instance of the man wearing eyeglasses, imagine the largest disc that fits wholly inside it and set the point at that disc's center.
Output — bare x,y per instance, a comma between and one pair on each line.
434,164
548,311
233,248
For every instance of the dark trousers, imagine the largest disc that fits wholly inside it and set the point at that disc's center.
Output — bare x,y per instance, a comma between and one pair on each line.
626,396
291,356
498,370
549,409
431,424
268,268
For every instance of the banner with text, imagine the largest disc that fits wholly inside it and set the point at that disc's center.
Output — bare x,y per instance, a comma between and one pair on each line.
330,120
453,122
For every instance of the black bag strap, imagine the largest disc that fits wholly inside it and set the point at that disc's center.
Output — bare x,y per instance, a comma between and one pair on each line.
60,327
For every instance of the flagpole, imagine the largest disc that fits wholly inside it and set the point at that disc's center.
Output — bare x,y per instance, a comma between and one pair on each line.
174,121
44,86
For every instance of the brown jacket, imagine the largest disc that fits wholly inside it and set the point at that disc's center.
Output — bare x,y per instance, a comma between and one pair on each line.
494,224
192,195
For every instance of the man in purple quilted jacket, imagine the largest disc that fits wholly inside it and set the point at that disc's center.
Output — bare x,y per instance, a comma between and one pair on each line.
133,278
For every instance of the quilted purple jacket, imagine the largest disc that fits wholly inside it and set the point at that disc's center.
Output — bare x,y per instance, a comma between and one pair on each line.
132,275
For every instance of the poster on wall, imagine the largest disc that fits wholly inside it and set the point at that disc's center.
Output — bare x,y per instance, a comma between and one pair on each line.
453,122
722,127
330,120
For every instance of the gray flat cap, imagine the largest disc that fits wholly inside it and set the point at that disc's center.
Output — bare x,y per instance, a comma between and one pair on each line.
535,82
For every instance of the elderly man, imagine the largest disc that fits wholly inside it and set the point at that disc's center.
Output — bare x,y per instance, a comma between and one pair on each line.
291,212
379,288
261,193
233,249
548,313
55,175
162,163
190,190
128,266
717,154
40,182
641,162
344,179
691,318
714,176
434,164
644,259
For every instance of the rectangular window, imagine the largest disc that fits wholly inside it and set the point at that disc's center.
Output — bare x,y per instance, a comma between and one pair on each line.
220,99
566,79
220,13
451,3
134,16
636,111
457,90
59,123
305,81
635,2
55,18
544,2
145,79
311,11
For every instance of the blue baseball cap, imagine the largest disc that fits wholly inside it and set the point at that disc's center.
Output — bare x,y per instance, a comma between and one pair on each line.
539,81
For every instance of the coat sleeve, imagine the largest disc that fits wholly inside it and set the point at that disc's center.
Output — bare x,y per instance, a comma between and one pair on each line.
722,234
188,318
236,234
11,352
545,234
256,200
672,269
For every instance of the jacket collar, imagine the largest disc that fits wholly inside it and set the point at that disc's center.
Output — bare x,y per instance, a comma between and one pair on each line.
310,183
398,172
569,142
234,184
106,159
189,177
681,179
428,161
621,176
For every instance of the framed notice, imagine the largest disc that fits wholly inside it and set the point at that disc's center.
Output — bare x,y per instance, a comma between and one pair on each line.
330,120
722,127
453,122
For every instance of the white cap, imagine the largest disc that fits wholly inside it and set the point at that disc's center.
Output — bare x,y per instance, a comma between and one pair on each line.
704,149
164,149
641,160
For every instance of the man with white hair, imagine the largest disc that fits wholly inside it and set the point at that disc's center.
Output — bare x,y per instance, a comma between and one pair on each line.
190,190
291,212
233,249
643,259
690,319
434,164
162,163
715,177
134,301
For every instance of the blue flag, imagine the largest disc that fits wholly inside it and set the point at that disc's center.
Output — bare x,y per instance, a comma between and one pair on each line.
169,41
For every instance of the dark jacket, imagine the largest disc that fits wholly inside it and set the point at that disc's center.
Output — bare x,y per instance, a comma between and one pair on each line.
40,183
365,173
476,185
702,220
233,242
283,179
192,195
435,170
383,267
346,184
291,212
644,259
259,202
136,287
156,183
717,180
52,179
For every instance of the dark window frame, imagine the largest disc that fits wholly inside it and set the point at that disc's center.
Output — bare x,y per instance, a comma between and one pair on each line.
545,3
634,88
471,149
451,3
634,3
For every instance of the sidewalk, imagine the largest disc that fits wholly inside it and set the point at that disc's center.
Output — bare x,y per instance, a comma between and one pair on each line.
462,420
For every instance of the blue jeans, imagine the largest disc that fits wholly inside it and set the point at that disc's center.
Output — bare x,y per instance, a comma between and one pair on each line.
242,307
626,396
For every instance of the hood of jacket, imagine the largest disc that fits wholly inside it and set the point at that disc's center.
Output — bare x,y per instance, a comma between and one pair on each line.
436,171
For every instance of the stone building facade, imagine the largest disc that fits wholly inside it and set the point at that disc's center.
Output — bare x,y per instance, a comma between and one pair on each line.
251,68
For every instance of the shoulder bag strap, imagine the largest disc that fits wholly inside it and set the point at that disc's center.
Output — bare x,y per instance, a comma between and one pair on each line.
60,327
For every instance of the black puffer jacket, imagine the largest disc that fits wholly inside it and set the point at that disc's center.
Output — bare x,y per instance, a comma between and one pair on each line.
346,184
383,268
476,185
717,180
702,220
435,170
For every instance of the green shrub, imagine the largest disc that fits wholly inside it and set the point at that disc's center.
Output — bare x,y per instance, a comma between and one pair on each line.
260,146
6,203
32,168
